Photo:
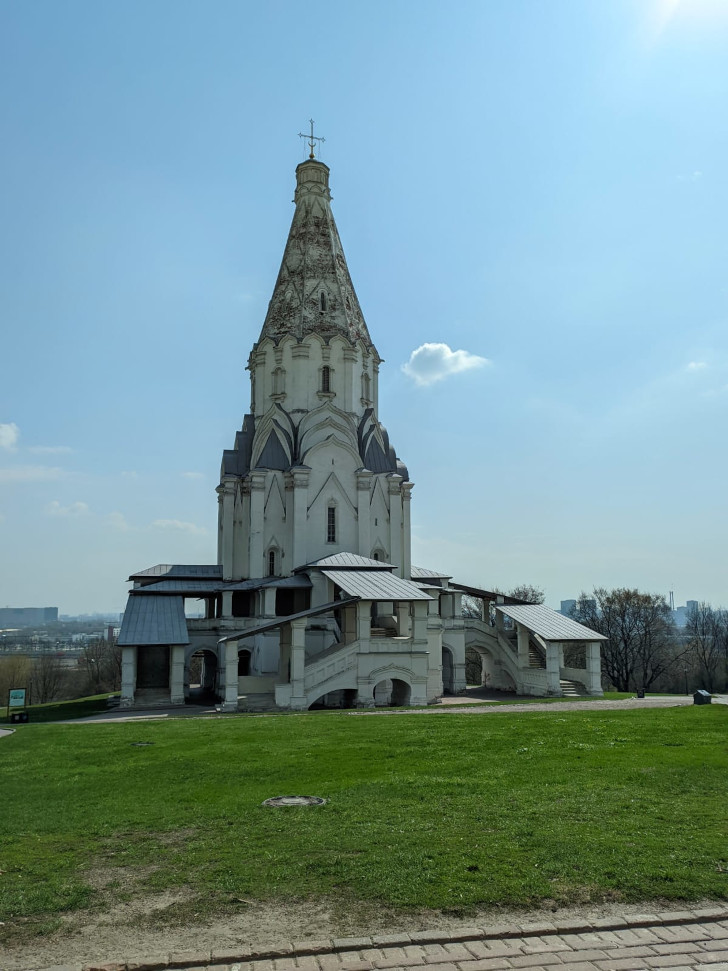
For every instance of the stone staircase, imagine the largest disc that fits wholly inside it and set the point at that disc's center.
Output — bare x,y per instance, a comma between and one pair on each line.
572,689
536,657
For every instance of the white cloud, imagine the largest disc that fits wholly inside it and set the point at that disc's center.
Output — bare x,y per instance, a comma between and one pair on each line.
179,526
50,449
118,521
9,435
696,366
130,475
692,177
193,475
75,509
433,362
30,473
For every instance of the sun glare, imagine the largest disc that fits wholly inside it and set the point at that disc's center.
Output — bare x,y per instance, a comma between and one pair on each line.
676,13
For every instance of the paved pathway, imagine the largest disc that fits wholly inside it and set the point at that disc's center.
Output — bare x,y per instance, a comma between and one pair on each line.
681,941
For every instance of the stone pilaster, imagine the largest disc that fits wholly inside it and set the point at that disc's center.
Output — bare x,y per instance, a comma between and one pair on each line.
257,516
363,511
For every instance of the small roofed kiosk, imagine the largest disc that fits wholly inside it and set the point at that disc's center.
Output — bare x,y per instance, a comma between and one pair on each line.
313,599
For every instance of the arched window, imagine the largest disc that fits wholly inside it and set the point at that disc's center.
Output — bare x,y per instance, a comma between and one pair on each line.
365,386
322,302
271,563
376,556
331,524
326,379
243,663
279,381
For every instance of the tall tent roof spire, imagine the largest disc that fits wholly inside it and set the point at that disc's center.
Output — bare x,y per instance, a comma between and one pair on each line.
314,293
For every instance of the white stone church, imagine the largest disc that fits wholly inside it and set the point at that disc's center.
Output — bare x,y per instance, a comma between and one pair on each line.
313,600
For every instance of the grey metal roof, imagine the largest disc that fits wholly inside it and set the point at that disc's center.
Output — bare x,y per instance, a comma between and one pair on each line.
549,625
375,585
179,570
196,587
154,620
420,573
350,561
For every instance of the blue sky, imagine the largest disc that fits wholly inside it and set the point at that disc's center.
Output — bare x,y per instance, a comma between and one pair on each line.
539,183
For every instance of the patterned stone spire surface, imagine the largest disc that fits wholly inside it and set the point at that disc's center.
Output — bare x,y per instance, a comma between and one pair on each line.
314,293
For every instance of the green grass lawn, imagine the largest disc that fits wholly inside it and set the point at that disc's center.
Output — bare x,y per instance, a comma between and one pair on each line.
60,710
447,811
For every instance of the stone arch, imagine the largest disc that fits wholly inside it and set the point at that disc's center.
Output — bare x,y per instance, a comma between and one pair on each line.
448,670
392,692
202,676
245,658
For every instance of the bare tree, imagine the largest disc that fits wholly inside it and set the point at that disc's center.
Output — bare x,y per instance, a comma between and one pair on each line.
46,678
706,631
641,645
527,592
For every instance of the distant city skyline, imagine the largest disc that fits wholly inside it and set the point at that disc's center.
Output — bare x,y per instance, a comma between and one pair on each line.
532,200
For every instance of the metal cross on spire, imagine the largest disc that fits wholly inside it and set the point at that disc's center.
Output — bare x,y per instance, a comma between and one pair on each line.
312,139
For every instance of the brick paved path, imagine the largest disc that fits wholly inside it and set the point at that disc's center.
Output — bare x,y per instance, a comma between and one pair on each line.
680,941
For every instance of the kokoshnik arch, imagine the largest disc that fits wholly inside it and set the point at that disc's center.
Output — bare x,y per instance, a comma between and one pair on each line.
313,599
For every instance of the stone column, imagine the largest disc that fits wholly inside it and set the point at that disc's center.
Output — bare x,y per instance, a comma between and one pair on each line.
402,613
553,668
269,601
364,625
419,625
227,603
257,513
363,511
226,495
177,674
299,529
128,676
594,668
523,647
298,664
230,702
348,624
395,522
406,530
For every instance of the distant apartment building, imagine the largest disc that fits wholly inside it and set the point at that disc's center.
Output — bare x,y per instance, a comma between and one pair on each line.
27,616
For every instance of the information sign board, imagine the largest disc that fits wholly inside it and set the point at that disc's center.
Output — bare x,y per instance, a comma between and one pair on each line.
17,698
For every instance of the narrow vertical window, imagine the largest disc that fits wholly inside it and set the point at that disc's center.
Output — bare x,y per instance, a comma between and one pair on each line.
271,563
322,301
331,525
326,379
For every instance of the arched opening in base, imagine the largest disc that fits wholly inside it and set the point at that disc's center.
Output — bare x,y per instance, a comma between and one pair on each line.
448,671
392,693
201,678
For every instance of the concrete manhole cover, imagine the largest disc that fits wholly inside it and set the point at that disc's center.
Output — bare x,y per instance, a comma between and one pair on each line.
277,801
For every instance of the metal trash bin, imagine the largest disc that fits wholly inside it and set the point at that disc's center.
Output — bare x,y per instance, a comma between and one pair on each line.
702,697
641,693
18,717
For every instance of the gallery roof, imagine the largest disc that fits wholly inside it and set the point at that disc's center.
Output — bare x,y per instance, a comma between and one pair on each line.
548,624
375,585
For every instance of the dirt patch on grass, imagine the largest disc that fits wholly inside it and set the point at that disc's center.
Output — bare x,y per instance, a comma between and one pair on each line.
156,925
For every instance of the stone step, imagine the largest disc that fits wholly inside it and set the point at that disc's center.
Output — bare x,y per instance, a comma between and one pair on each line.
571,689
263,701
